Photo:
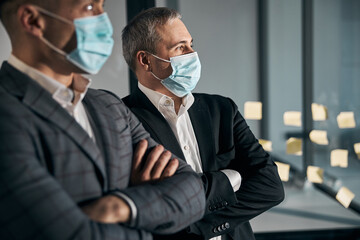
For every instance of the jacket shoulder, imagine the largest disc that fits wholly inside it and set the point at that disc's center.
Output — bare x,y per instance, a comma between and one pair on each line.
104,96
127,100
215,101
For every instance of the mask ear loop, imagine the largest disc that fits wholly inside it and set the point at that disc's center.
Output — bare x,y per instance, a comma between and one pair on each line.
159,57
50,45
161,60
53,15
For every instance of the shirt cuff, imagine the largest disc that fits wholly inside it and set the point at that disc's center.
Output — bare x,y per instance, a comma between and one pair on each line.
132,205
234,178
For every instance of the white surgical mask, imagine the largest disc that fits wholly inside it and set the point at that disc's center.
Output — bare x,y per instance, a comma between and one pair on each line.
185,75
94,41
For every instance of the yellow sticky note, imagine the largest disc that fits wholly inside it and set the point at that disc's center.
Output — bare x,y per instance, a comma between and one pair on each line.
292,118
253,110
294,146
339,158
345,196
266,144
346,120
315,174
319,112
319,137
357,149
283,170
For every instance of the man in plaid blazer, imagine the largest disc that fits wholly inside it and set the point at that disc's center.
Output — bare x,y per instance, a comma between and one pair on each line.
75,163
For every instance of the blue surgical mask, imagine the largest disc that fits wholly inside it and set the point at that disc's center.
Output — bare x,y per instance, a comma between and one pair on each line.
94,41
185,75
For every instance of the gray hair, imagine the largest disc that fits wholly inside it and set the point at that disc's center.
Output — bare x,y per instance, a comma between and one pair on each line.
141,35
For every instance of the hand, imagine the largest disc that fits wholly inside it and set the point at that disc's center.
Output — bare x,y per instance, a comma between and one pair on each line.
158,164
108,209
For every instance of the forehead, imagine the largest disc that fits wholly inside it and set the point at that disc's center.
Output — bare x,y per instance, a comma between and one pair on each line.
173,32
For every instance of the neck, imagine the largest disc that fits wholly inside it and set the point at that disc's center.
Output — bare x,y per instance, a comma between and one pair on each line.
64,78
177,104
156,85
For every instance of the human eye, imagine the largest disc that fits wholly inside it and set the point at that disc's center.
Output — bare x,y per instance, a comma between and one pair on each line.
179,48
89,7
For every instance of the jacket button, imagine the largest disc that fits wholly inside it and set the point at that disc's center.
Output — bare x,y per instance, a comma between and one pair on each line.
219,229
215,230
211,208
227,225
223,227
226,203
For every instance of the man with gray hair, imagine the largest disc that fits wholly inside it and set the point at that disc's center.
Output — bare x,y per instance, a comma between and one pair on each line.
240,179
75,163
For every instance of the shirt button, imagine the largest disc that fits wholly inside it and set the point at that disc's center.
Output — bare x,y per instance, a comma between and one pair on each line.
167,102
186,147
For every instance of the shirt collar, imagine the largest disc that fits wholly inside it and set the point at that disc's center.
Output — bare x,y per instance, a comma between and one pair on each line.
159,99
63,95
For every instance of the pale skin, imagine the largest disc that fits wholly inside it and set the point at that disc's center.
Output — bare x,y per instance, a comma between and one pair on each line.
175,40
28,26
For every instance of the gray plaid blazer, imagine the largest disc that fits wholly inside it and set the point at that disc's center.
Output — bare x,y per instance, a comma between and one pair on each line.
49,166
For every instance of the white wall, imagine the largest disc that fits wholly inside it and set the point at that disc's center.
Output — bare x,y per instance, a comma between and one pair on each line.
5,47
114,75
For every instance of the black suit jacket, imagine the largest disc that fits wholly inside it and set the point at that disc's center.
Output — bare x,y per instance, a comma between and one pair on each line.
49,166
225,142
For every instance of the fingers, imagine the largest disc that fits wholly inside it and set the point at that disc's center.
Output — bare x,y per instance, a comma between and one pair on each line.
139,154
160,165
152,159
108,209
170,168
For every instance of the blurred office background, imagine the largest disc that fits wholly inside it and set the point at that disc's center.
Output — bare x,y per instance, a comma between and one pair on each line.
286,54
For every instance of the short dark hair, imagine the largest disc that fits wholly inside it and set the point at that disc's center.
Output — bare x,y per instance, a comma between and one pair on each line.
9,7
140,33
2,3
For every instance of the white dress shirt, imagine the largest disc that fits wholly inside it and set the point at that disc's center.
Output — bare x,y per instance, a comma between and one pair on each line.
180,124
182,128
69,99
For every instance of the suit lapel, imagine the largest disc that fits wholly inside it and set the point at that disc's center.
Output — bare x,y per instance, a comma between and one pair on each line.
41,102
157,125
201,122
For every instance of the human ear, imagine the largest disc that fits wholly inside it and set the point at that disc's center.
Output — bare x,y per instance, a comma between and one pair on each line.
31,20
143,59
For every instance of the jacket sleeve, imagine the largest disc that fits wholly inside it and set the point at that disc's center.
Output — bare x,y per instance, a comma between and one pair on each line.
169,205
33,205
261,187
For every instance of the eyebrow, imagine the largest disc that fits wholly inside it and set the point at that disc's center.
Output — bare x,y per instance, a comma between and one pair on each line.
181,42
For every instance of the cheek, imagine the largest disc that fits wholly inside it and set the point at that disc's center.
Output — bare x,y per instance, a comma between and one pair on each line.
61,35
71,44
167,71
163,70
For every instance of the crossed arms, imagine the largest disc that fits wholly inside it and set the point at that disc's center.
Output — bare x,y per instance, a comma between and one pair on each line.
34,203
